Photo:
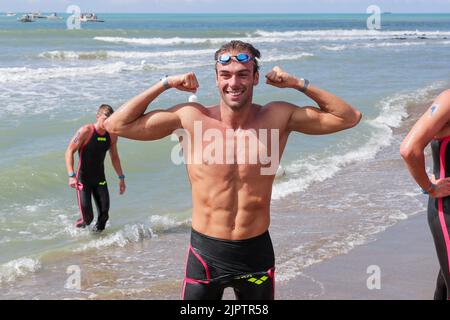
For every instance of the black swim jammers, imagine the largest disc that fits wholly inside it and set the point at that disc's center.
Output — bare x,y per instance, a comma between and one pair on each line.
214,264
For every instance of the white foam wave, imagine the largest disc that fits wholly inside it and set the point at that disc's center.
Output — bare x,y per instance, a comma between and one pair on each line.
11,270
30,74
261,36
394,108
176,41
164,223
285,57
129,234
175,65
101,55
310,170
134,233
375,45
161,41
353,34
334,48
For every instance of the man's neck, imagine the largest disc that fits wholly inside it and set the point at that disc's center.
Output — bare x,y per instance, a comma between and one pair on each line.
235,118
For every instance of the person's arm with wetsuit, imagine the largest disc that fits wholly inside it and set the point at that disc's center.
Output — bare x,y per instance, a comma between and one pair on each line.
413,146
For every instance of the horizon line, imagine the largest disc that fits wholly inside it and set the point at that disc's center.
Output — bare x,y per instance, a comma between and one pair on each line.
234,13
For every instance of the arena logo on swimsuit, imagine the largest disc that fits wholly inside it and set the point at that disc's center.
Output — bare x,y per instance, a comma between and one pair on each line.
214,146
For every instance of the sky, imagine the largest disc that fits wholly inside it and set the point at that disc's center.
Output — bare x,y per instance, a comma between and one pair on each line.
228,6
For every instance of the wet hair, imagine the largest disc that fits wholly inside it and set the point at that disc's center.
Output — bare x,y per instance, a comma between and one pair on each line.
240,46
105,108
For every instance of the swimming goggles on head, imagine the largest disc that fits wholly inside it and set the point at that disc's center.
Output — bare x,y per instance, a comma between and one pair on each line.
240,57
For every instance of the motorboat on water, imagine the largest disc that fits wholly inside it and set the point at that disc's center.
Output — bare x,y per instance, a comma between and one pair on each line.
53,16
37,15
10,14
26,18
89,17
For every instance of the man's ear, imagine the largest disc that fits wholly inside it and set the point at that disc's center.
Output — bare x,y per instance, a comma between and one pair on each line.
256,80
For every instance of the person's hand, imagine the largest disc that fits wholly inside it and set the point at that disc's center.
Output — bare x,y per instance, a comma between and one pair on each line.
442,188
281,79
122,186
184,82
73,182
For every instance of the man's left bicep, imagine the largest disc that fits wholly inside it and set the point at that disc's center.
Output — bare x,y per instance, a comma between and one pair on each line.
311,120
304,119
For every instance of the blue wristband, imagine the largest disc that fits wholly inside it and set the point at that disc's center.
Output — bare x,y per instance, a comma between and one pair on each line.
72,175
305,85
431,187
122,177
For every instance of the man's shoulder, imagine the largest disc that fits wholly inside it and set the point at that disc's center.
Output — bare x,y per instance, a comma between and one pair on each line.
278,107
191,109
279,104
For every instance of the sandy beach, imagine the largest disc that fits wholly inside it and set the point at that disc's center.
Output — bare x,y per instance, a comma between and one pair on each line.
406,258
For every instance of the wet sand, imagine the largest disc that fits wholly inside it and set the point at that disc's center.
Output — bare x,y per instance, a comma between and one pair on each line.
406,258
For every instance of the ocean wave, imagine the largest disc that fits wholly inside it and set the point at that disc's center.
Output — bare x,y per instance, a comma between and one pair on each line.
284,57
102,55
311,169
335,48
8,75
353,34
161,41
261,36
14,269
136,233
25,74
129,234
375,45
394,108
176,41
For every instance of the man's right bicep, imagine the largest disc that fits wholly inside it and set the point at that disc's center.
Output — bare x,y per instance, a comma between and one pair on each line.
154,125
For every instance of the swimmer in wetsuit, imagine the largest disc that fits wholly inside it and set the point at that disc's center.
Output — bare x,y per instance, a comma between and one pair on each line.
92,142
230,242
434,127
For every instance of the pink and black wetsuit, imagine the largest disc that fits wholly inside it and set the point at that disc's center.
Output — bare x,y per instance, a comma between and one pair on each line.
439,216
92,181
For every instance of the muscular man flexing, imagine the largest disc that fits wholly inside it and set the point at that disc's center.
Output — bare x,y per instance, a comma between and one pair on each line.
231,192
